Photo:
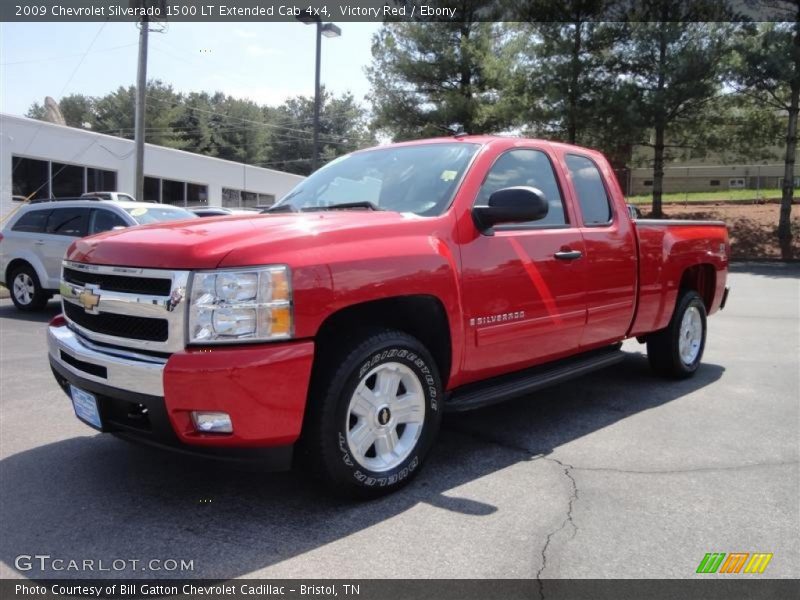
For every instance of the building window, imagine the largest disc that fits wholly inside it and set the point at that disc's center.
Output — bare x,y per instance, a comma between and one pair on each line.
29,177
100,180
152,190
36,179
173,192
177,193
233,198
648,182
736,183
249,199
266,199
67,180
196,194
714,182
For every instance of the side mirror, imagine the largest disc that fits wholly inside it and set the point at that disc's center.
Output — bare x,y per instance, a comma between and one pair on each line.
634,212
510,205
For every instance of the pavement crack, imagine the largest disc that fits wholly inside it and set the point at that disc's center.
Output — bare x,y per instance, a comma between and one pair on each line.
567,522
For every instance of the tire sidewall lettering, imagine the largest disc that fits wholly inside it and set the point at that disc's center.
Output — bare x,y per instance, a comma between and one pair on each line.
423,371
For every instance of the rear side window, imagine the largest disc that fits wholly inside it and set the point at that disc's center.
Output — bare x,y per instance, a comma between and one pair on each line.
104,220
33,221
69,221
589,188
530,168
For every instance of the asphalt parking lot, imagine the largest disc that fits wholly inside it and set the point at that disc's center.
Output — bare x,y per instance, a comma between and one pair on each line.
619,474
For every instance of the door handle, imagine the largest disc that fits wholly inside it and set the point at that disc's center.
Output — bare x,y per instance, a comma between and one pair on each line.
39,242
568,254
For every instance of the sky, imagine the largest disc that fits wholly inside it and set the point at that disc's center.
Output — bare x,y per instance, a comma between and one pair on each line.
265,62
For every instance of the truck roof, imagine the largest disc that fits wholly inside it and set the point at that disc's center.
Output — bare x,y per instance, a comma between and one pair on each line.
486,139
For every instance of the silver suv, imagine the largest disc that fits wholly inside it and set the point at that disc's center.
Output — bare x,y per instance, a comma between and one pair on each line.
35,239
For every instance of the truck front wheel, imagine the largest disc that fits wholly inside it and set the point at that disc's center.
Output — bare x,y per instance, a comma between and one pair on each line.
677,350
374,415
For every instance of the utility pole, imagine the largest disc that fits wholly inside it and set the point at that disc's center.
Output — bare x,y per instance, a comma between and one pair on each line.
329,30
141,89
315,147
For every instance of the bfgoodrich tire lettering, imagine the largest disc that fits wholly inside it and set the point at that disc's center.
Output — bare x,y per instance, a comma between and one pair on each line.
374,416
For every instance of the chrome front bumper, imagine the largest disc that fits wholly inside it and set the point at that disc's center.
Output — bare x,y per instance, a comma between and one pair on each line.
119,369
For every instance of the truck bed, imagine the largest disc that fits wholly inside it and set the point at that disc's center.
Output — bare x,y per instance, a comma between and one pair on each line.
670,250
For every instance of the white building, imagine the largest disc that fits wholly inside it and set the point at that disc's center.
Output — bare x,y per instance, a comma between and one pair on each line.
43,160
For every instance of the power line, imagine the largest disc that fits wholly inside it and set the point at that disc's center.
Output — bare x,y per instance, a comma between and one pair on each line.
61,94
242,119
63,56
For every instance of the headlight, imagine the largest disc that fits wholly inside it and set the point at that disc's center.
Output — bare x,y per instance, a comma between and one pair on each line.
240,305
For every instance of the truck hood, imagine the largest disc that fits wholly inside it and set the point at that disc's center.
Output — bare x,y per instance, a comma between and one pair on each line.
204,243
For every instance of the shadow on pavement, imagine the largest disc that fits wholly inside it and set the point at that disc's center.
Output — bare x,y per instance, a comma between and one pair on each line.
98,497
9,311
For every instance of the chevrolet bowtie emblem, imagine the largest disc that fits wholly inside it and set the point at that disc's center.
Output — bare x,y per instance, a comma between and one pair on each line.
89,300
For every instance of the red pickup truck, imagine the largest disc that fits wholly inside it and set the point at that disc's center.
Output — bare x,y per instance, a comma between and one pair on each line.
389,287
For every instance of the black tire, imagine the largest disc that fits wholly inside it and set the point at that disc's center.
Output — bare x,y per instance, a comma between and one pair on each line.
35,298
664,347
325,447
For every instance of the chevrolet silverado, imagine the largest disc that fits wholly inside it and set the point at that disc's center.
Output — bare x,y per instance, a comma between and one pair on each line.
391,286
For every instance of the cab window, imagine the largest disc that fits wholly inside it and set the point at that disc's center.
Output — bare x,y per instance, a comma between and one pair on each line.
589,189
530,168
68,221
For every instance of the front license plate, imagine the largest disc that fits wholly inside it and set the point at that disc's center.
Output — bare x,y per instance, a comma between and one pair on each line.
85,405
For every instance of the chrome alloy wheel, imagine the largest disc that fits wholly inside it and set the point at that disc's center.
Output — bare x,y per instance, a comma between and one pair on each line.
23,288
385,417
691,335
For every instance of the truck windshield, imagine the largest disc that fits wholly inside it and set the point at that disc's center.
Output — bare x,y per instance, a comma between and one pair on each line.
419,179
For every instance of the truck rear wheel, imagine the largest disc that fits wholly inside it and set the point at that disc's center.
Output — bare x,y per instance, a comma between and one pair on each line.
677,350
373,415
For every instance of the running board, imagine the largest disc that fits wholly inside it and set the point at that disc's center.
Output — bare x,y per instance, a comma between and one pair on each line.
505,387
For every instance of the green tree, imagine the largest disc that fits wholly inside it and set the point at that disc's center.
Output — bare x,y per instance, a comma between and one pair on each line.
559,83
192,124
238,132
114,113
767,70
76,108
430,78
675,71
343,129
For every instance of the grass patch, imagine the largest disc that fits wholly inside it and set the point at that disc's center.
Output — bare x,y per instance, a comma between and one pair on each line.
717,196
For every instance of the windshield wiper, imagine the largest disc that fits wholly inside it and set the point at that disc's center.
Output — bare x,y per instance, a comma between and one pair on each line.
343,206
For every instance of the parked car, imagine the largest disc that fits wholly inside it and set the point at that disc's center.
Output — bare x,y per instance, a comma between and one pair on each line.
220,211
115,196
33,242
388,287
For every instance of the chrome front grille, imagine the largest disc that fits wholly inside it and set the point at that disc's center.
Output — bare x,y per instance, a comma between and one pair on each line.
128,307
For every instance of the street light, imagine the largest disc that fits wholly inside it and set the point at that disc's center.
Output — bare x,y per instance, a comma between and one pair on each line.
329,30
